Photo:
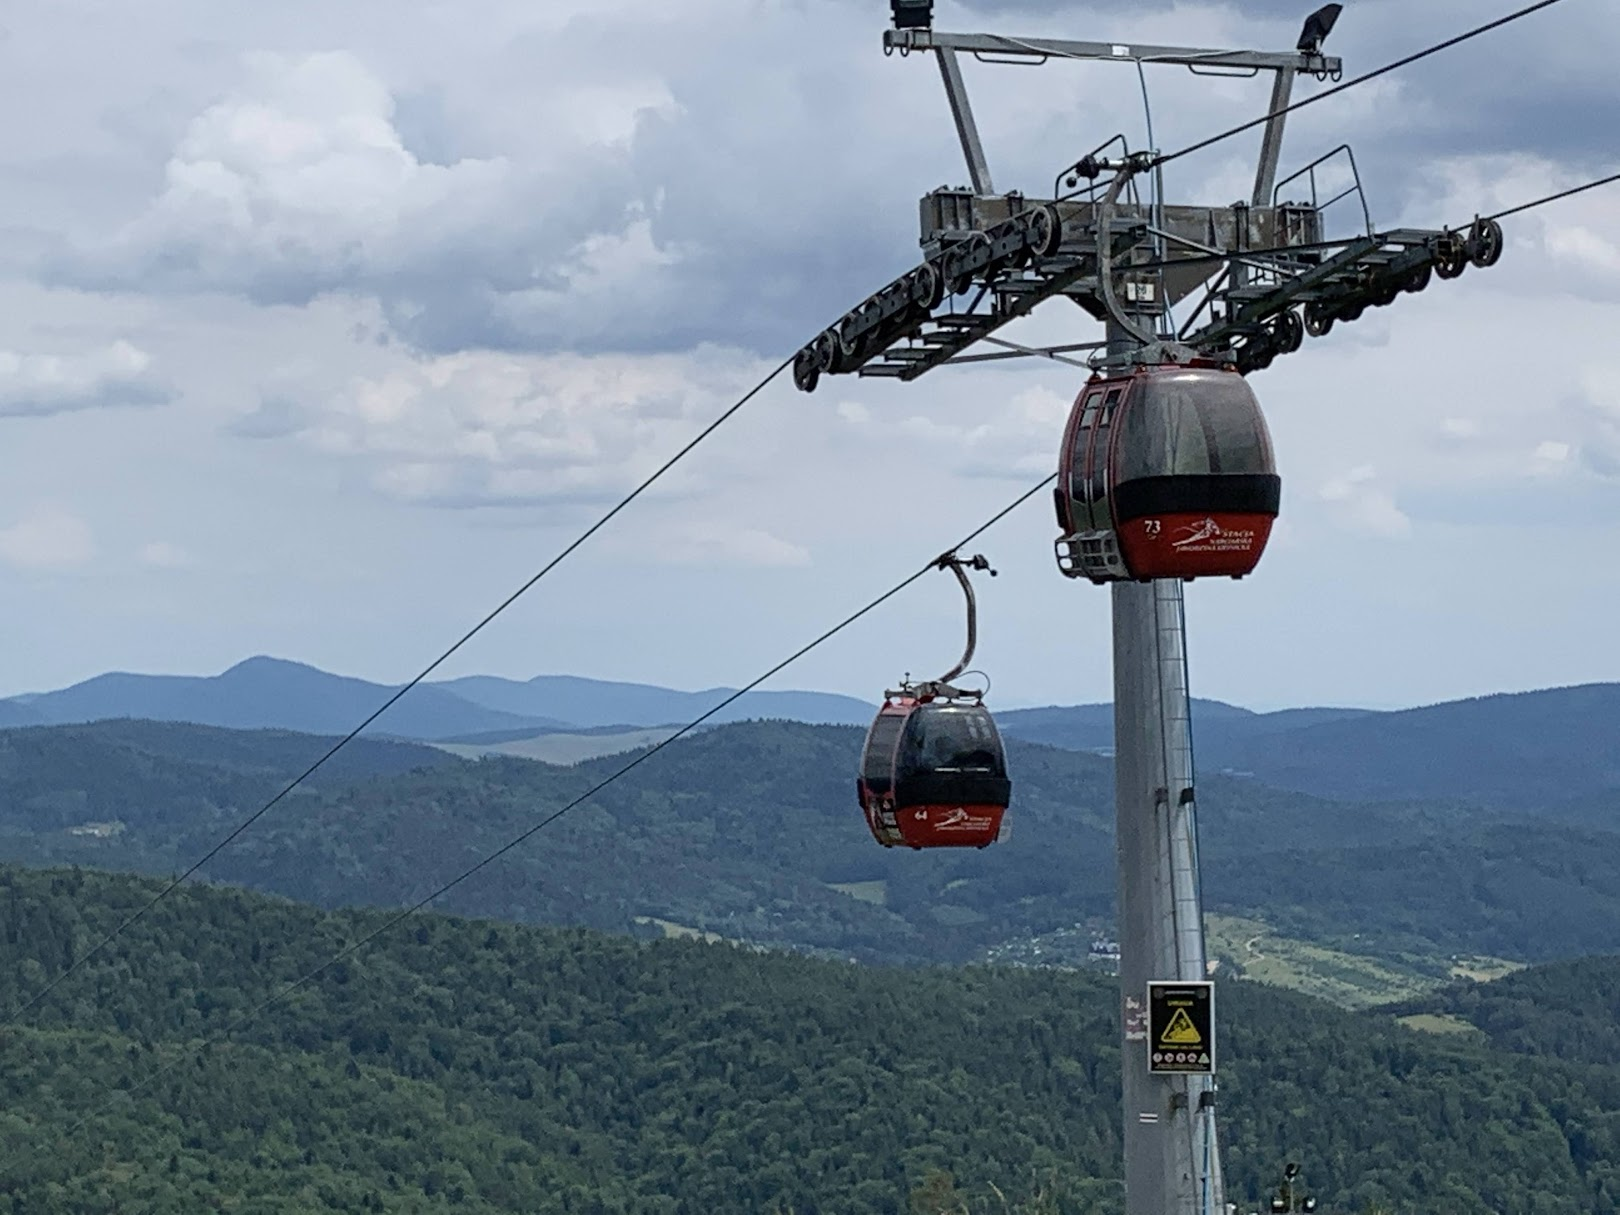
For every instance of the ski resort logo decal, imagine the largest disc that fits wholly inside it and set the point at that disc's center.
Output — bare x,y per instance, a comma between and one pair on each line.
1208,536
958,819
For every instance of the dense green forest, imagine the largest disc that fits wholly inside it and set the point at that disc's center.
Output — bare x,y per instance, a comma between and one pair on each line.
1567,1010
473,1066
750,831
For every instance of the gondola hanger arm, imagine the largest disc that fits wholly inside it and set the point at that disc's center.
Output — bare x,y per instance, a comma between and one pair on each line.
959,566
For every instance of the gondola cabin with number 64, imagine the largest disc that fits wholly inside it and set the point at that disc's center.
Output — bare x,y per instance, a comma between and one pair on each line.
933,773
1166,472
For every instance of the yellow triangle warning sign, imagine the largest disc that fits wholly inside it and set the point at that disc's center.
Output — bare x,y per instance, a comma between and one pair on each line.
1181,1031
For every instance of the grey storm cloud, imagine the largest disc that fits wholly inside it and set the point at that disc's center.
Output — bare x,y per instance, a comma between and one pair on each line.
750,198
274,417
1541,85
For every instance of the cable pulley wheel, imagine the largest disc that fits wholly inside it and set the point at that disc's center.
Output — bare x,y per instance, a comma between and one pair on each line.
829,357
1289,332
1484,243
850,346
1045,231
1318,320
927,286
1418,279
962,278
806,370
1452,259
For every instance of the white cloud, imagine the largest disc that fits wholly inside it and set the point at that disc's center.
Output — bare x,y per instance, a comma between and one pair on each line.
482,429
1566,248
1551,451
47,538
300,183
723,544
35,385
1461,429
1595,410
583,176
163,555
294,185
968,435
1363,504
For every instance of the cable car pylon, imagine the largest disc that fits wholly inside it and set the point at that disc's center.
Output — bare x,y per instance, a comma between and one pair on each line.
1166,472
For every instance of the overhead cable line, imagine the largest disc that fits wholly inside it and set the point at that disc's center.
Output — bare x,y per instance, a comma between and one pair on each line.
400,917
1196,259
298,780
1552,198
1362,79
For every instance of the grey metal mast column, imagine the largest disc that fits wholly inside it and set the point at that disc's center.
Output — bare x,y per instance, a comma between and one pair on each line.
1172,1151
1172,1158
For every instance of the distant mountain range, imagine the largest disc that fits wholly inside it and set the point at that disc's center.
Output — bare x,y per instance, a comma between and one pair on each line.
593,703
270,693
1219,726
1536,748
1542,748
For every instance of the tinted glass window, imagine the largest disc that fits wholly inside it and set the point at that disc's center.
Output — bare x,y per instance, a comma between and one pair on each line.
877,763
1077,454
1100,517
952,738
1191,422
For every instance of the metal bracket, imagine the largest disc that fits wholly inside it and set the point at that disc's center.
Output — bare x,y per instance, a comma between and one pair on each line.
1267,262
966,129
1001,255
1038,50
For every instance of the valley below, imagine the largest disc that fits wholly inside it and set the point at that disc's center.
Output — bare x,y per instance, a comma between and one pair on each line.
701,987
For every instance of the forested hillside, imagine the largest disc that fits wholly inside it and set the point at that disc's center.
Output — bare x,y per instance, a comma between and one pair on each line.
751,831
1568,1010
1506,751
466,1066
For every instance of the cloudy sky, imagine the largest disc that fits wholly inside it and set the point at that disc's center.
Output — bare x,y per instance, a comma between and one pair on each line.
326,324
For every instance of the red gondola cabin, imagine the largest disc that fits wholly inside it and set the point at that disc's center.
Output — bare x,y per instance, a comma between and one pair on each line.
934,774
1166,472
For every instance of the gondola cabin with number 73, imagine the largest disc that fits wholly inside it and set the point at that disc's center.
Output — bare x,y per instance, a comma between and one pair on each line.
1166,472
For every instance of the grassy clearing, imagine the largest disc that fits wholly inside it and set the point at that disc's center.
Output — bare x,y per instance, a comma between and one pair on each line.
1483,970
1251,949
1441,1023
876,893
673,930
563,749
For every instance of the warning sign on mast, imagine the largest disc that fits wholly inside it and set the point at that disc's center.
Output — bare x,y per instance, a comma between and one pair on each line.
1181,1027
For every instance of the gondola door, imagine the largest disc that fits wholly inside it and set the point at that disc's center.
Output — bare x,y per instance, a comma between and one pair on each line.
1074,511
875,786
1100,550
1097,453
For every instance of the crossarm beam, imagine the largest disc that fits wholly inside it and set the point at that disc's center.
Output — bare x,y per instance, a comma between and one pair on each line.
1003,47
